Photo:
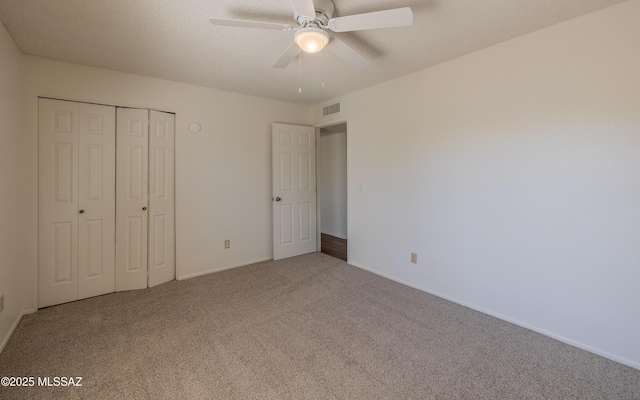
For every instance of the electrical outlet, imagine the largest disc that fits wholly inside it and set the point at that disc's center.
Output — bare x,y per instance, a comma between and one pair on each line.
1,303
414,258
227,244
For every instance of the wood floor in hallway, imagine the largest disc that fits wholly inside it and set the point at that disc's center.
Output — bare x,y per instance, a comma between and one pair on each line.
334,246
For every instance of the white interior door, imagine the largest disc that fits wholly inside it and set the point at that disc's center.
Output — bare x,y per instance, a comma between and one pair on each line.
76,204
57,202
90,241
132,198
161,198
97,214
294,190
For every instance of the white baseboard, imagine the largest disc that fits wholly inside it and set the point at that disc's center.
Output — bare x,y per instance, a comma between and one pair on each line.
13,328
218,269
590,349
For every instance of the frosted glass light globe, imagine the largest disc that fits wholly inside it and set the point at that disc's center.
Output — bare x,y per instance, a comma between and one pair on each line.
311,40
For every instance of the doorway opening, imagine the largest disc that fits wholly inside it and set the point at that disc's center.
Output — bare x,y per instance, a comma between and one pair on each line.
332,190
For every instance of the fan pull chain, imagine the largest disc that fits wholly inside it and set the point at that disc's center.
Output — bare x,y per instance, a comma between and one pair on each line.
324,65
324,69
300,72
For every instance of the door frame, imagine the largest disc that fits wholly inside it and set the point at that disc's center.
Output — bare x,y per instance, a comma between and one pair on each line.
318,203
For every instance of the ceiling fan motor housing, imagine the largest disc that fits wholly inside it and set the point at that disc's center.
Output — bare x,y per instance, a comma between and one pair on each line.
324,12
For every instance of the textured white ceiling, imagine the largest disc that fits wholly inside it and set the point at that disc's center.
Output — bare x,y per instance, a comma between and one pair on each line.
173,39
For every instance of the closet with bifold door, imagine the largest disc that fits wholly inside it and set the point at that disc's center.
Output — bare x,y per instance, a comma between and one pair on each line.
105,199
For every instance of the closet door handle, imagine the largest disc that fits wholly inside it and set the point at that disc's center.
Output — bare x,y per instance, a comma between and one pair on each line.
81,211
144,208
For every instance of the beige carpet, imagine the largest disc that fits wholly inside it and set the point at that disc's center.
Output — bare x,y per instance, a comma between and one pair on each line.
309,327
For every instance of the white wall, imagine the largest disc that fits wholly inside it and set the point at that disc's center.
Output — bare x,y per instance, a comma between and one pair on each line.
514,173
332,184
12,205
223,174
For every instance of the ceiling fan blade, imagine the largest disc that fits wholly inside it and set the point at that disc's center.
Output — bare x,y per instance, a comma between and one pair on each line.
349,55
304,8
250,24
373,20
289,55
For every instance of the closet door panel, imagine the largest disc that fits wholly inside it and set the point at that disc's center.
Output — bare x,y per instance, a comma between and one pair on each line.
132,198
161,198
96,248
57,202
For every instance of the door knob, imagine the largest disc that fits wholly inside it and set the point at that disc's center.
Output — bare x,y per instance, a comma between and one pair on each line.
81,211
278,199
144,208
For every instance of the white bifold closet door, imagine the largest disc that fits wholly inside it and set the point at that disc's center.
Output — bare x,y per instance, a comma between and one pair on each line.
132,202
76,201
106,200
145,244
162,251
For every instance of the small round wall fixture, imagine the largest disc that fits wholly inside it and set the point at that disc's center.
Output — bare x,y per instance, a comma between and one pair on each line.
195,127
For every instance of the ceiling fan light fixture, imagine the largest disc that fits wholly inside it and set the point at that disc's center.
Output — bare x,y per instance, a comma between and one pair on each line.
311,39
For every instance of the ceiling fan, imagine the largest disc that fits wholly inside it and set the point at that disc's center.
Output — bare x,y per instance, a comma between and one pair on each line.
314,17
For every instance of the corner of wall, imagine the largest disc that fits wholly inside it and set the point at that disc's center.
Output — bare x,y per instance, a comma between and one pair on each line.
13,198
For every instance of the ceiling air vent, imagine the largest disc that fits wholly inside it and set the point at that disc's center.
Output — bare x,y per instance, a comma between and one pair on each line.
332,109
